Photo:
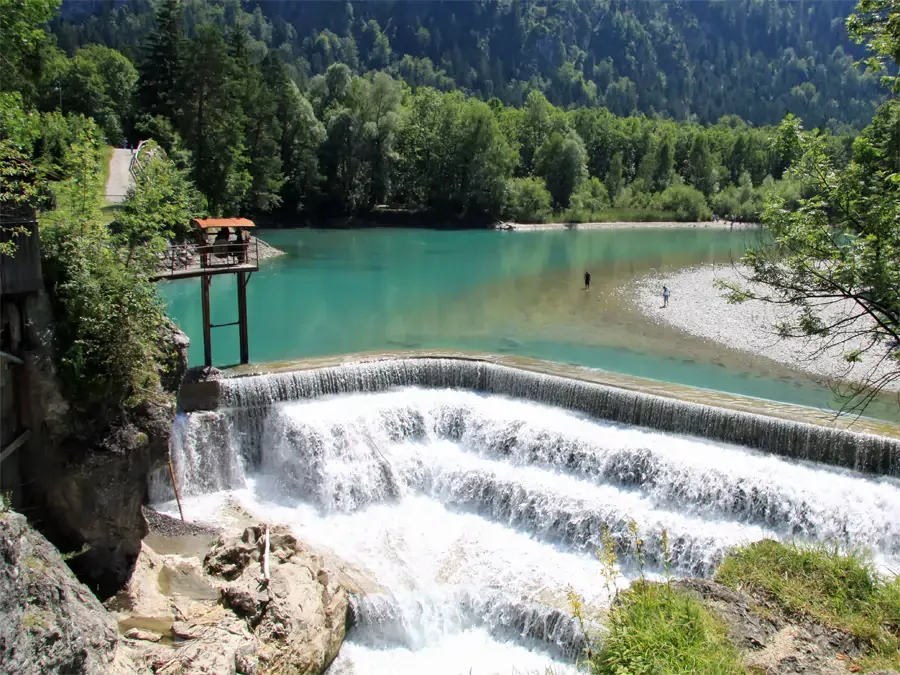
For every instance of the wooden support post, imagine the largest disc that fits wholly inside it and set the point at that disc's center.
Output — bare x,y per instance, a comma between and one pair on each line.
175,487
207,327
242,316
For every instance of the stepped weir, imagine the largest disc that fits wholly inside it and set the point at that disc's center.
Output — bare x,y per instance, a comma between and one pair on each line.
796,440
474,496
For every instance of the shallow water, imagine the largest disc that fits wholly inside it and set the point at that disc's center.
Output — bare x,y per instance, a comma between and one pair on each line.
519,293
476,514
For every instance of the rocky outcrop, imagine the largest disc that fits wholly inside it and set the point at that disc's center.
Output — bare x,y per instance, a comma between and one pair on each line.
84,483
299,612
49,621
771,642
227,616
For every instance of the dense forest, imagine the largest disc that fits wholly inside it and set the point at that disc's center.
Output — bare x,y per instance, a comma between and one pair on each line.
258,132
699,60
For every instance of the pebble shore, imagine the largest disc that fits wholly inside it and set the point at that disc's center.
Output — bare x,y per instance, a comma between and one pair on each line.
698,307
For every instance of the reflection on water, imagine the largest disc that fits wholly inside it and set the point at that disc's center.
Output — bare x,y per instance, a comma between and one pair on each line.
509,293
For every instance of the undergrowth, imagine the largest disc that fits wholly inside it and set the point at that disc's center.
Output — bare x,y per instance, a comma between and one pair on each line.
656,628
840,590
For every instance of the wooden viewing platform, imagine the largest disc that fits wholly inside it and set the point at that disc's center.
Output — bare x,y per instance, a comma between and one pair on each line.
186,261
205,259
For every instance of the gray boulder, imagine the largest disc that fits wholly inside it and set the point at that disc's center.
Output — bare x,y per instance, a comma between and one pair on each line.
49,621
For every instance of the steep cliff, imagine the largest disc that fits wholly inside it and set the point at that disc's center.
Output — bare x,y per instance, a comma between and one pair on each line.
49,621
84,480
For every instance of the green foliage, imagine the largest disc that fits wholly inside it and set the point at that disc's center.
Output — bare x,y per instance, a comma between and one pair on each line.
102,83
657,628
212,122
701,60
834,249
839,589
528,200
163,66
686,202
877,24
110,321
562,162
24,43
157,209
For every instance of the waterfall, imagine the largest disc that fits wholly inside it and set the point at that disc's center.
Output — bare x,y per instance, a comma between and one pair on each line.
861,452
476,513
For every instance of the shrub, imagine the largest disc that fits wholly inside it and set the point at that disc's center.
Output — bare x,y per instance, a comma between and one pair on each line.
109,320
657,628
528,200
688,203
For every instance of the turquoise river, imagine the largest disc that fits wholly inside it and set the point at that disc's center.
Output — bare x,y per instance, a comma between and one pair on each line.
511,293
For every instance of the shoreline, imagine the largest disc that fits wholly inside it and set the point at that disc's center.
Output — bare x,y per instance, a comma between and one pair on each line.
700,309
621,225
506,226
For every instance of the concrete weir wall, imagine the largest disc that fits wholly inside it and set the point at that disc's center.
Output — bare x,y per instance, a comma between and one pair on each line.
862,452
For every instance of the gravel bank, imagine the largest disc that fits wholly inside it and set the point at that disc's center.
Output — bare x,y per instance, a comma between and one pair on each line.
266,251
167,526
697,307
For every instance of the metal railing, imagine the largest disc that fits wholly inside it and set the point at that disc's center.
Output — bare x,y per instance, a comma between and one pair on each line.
182,258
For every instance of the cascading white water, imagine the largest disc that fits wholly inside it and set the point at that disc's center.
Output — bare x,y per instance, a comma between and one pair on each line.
476,514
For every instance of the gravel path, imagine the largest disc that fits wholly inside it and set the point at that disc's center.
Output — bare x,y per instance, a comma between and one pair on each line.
120,178
697,307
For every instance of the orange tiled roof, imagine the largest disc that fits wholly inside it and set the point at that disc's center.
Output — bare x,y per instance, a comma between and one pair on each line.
204,223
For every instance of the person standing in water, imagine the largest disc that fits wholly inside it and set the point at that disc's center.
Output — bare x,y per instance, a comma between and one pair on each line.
587,280
665,296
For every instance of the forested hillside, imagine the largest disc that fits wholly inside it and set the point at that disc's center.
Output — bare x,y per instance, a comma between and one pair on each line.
699,60
295,130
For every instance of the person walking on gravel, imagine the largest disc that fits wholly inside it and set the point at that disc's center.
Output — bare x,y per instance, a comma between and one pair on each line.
665,296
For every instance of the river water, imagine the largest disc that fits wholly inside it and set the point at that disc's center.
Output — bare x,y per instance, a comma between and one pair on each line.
514,293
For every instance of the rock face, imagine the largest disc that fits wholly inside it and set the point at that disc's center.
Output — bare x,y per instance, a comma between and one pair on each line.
771,642
84,485
226,616
49,621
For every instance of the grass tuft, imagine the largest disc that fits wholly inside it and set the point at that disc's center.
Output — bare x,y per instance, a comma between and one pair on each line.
656,628
840,590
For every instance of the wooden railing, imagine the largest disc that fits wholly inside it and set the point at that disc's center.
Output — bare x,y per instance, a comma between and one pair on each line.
182,259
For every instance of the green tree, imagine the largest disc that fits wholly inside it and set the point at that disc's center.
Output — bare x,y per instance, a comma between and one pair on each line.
262,131
101,83
833,258
615,181
700,170
562,162
301,135
158,208
24,43
213,123
528,201
162,68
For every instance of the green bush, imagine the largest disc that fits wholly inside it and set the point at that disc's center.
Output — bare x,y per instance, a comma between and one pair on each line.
528,200
688,203
109,321
657,628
